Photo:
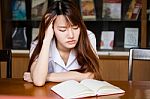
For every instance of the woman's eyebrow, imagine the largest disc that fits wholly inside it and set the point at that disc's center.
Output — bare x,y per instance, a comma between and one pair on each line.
62,26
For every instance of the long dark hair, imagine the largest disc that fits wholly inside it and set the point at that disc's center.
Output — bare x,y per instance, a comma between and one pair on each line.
86,58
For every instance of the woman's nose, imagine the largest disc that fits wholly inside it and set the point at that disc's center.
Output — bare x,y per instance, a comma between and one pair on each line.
71,33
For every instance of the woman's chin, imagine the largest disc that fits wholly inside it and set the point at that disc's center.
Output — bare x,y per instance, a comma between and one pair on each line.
70,46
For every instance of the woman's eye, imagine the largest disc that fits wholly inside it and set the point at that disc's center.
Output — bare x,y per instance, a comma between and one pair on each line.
62,30
75,27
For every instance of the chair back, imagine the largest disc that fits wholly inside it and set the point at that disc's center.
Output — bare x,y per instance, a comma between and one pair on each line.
136,54
6,56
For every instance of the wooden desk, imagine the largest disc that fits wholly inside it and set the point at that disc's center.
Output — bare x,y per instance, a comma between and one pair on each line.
18,88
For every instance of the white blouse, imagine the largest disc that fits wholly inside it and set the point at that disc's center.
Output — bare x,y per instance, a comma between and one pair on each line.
56,63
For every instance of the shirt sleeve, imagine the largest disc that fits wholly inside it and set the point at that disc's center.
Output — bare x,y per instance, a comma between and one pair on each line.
33,45
92,39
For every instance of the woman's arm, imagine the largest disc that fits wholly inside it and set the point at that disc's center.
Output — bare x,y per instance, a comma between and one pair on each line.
39,68
63,76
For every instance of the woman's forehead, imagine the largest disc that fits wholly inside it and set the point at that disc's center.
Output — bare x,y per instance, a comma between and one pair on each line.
62,19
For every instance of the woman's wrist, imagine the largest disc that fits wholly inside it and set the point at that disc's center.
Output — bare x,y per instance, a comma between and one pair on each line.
88,75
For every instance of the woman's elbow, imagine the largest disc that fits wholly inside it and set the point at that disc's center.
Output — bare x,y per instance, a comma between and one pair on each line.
39,83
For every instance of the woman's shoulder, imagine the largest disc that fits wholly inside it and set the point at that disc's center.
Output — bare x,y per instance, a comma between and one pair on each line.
90,33
92,39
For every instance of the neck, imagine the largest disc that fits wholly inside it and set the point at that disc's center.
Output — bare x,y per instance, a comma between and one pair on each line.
63,50
64,53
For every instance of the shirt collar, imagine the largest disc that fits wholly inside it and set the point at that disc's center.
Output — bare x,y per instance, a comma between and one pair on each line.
57,58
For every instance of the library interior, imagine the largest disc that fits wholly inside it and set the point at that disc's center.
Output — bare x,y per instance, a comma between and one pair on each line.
121,29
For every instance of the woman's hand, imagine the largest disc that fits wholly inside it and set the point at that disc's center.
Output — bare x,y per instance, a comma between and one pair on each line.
49,33
27,77
63,76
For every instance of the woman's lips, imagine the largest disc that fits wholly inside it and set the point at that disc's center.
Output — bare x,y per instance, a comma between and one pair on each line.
71,42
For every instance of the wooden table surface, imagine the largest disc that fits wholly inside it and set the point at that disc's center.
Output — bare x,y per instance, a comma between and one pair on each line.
10,88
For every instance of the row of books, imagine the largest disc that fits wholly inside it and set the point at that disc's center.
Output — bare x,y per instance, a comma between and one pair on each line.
19,11
106,42
111,9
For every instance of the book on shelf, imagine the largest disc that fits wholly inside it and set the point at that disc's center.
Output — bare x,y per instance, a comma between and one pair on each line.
35,32
88,9
131,37
19,10
133,10
107,40
86,88
38,9
19,38
111,10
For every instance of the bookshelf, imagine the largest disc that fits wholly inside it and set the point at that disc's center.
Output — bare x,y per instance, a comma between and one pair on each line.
97,26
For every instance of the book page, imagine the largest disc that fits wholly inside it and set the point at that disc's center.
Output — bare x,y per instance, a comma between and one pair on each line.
72,89
93,84
101,87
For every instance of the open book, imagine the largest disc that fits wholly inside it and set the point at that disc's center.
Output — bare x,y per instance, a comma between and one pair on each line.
86,88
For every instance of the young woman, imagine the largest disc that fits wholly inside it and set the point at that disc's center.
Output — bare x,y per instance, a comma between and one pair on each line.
63,50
